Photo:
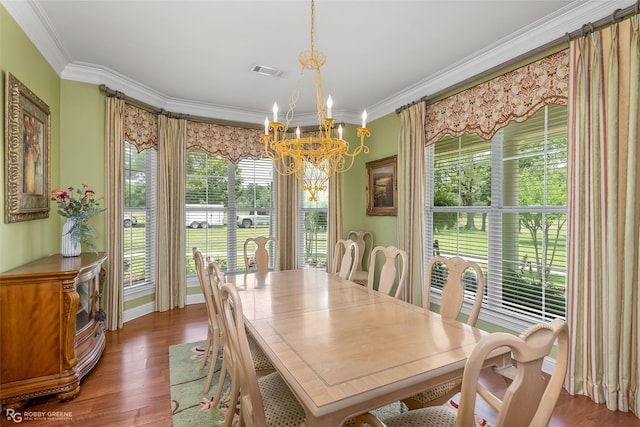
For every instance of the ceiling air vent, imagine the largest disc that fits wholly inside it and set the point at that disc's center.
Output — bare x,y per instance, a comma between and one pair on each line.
267,71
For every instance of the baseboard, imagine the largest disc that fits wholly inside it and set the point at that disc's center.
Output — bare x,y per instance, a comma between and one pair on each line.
150,307
139,311
195,299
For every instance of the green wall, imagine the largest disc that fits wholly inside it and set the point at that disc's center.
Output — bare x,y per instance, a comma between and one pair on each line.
382,143
77,144
25,241
83,153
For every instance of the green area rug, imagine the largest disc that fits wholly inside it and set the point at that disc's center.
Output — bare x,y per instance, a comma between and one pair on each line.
190,405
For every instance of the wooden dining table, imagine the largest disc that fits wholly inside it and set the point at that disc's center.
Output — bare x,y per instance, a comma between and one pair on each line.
343,349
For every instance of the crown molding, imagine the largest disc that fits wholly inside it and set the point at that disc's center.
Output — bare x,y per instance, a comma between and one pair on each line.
540,33
537,34
89,73
30,18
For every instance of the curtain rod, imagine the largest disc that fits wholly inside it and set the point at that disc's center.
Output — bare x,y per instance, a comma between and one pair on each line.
411,104
150,108
617,16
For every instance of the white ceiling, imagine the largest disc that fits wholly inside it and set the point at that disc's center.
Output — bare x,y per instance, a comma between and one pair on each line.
194,57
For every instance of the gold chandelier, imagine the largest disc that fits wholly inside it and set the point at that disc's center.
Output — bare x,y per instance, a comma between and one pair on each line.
317,157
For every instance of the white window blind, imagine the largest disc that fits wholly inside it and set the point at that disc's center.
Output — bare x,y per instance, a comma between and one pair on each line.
139,217
225,204
502,203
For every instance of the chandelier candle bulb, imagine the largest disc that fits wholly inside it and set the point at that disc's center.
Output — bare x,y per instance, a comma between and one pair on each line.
329,105
364,119
275,111
266,126
340,132
298,132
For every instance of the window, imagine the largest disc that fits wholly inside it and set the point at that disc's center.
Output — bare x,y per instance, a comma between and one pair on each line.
139,217
312,227
502,203
225,204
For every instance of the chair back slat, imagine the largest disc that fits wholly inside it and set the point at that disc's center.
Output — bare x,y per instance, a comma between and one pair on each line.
260,259
364,240
393,273
206,292
251,404
452,275
345,259
531,397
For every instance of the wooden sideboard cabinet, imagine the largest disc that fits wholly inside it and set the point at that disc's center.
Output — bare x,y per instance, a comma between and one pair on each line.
51,327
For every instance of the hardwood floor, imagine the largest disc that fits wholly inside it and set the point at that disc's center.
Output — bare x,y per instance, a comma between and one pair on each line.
130,384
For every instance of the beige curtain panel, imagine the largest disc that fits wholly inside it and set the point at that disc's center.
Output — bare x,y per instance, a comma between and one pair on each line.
286,220
114,298
171,287
411,197
334,217
604,217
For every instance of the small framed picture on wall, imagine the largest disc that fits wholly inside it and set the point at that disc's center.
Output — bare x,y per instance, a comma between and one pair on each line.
382,190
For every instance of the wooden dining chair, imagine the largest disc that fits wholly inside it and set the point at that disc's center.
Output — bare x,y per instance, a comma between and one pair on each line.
261,363
259,260
213,342
452,275
345,258
392,276
264,401
530,398
364,240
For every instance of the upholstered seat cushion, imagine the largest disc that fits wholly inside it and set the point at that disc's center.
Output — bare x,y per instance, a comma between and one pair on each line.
260,361
438,416
281,408
436,392
435,416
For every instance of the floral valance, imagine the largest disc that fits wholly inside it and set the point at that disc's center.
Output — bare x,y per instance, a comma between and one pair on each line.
140,127
231,142
515,96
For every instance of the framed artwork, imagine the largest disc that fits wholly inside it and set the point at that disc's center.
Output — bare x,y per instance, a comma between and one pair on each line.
26,154
382,189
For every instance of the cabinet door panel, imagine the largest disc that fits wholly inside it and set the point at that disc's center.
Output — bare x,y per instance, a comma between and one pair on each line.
30,331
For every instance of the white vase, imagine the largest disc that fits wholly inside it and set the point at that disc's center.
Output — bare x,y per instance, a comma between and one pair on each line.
69,247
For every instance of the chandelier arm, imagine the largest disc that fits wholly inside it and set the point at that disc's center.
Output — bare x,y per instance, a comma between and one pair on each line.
345,165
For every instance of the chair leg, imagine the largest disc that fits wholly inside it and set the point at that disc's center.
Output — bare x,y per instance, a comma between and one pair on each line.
234,393
215,348
207,349
221,378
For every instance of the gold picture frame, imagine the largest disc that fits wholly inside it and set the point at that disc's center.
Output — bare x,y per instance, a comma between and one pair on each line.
26,154
382,187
